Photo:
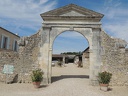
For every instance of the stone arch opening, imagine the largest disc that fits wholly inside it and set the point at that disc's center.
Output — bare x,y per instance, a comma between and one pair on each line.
70,32
70,60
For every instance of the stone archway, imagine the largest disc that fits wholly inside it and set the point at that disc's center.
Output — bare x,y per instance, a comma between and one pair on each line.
85,32
71,18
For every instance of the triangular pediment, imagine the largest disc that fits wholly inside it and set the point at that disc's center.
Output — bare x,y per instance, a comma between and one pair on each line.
71,10
72,13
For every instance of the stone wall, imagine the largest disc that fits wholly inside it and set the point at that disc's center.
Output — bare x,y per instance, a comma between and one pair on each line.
28,53
126,65
10,58
114,59
23,61
126,56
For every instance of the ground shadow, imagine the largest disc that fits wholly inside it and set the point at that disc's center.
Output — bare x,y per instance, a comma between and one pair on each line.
57,78
43,86
109,89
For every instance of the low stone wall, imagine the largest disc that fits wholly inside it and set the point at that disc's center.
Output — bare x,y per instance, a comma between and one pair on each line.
114,60
10,58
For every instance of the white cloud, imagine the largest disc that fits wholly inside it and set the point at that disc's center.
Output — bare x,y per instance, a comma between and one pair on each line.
115,21
26,9
118,30
117,26
111,8
116,13
23,13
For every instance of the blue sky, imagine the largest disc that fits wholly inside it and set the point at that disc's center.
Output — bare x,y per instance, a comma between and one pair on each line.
23,17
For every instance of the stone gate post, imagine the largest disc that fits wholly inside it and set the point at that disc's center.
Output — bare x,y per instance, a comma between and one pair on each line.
95,57
45,51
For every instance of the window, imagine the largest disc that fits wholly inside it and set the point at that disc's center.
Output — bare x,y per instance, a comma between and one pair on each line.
5,39
5,42
15,46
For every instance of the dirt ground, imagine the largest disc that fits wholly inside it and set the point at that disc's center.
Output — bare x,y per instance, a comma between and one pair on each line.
67,81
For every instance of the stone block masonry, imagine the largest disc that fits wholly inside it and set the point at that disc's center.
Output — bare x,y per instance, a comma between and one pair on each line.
23,61
115,59
29,53
10,58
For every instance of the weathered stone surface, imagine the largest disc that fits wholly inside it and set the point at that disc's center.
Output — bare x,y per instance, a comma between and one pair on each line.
114,59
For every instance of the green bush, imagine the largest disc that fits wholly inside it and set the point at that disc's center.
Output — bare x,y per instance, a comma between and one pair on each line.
104,77
37,75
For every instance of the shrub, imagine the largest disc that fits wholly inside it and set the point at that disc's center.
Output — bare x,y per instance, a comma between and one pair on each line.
104,77
37,75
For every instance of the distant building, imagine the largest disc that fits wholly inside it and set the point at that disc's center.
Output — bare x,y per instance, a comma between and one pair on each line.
83,57
64,58
77,58
86,53
56,57
8,40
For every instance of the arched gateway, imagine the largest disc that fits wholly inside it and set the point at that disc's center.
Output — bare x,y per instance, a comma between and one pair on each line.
71,18
106,53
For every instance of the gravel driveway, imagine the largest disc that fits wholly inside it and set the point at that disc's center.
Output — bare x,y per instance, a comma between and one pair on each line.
66,81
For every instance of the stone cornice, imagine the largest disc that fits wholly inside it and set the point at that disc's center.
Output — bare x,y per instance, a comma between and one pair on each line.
70,22
74,26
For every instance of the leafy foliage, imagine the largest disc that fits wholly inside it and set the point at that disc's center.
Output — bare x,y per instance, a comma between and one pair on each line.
104,77
72,53
37,75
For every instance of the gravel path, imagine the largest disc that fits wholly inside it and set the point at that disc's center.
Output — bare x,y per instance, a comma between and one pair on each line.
67,81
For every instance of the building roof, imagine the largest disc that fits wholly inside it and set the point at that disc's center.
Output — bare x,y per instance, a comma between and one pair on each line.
59,55
86,50
9,32
62,55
